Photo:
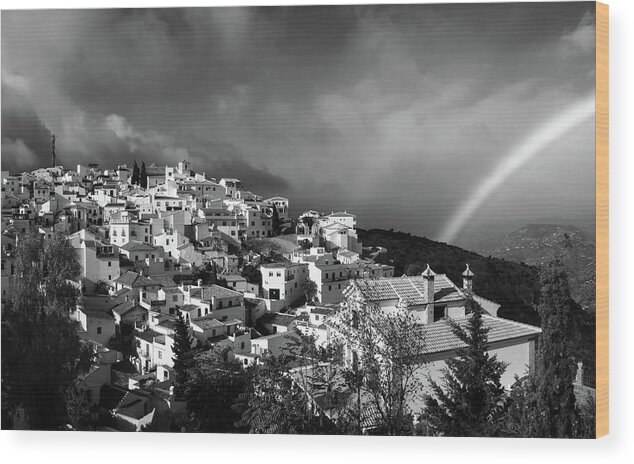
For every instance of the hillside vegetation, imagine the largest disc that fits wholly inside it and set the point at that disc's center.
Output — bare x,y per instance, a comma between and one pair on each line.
536,244
515,286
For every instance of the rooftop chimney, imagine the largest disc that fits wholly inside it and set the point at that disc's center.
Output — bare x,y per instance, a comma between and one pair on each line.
199,282
429,275
467,280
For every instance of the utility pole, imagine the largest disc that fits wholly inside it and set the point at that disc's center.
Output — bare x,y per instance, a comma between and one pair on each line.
53,150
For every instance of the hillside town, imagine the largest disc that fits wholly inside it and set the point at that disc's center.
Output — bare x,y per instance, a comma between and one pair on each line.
161,244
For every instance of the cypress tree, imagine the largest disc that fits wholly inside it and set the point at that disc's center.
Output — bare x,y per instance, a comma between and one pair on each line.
135,174
143,176
183,357
544,404
470,401
556,367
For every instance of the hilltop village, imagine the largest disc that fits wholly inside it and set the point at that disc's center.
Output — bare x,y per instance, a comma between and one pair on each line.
162,242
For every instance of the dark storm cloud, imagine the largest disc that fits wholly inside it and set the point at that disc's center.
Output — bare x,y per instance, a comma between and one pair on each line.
343,94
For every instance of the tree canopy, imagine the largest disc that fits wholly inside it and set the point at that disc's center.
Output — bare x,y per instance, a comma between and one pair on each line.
42,354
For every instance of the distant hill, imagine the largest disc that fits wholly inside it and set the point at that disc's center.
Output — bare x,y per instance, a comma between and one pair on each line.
535,244
513,285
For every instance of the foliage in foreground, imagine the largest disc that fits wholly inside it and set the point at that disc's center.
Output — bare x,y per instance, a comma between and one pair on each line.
470,402
42,354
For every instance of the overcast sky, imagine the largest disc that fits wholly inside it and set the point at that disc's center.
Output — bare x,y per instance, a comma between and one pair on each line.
393,112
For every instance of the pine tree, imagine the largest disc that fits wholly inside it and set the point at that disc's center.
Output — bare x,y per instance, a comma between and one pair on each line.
183,357
143,176
135,174
470,401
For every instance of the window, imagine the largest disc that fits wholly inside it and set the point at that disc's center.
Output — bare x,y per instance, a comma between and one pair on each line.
316,317
329,287
439,312
98,330
109,264
242,346
175,298
160,354
270,274
220,305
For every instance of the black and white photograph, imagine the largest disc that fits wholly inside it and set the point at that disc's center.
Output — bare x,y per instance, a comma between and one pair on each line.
302,220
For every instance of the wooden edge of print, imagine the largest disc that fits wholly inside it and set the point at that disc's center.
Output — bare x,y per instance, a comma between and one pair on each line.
602,220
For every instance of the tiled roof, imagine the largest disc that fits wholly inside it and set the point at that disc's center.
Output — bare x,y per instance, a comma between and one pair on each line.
276,265
135,245
168,324
439,336
277,319
321,310
215,291
126,307
251,302
147,335
347,253
99,306
163,281
134,280
207,322
341,214
412,289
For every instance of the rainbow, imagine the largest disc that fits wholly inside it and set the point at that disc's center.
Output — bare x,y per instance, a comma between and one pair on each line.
522,153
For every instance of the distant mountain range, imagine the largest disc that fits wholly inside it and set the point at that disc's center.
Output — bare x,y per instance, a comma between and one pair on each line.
535,244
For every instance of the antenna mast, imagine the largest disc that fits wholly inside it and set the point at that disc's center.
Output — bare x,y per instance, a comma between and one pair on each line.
53,150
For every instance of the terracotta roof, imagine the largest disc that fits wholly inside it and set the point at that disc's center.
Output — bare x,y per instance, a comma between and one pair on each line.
163,281
277,319
99,306
321,310
439,336
216,291
134,280
207,322
412,289
341,214
135,245
127,306
147,335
